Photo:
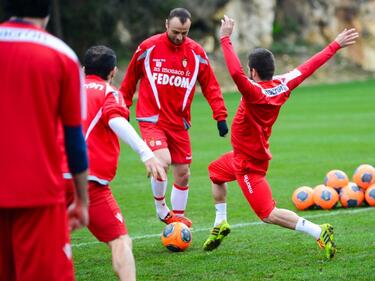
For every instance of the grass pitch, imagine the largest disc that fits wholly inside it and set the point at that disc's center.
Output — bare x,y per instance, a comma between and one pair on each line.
320,128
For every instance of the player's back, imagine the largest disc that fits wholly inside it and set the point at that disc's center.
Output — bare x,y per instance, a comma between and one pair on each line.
34,68
256,114
103,103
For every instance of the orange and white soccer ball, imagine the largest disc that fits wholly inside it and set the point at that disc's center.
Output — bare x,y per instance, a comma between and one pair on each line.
325,197
176,237
303,197
364,176
351,196
336,179
370,195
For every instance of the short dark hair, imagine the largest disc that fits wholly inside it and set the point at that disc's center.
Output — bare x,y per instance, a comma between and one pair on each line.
180,13
28,8
99,60
263,61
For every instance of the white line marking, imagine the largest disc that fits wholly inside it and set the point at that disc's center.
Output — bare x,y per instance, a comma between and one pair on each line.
240,225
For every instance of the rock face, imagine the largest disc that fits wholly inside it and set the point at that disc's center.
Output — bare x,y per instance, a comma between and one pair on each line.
260,23
254,23
319,21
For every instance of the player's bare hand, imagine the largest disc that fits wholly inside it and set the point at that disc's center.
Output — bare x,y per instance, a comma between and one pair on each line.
78,215
155,169
227,25
347,37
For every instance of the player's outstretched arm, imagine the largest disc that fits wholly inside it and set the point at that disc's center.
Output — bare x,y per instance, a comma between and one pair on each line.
122,128
344,39
347,37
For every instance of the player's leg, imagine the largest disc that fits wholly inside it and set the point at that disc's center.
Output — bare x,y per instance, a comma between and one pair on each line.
41,244
180,188
220,172
108,226
159,186
323,234
122,258
258,193
156,139
180,149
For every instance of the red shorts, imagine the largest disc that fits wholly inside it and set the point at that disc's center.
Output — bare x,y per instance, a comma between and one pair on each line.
177,141
250,175
106,221
35,244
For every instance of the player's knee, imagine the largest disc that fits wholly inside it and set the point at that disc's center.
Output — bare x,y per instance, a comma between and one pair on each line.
127,241
124,241
268,217
183,176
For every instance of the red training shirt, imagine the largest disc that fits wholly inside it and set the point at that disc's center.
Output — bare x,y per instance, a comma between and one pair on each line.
103,104
168,74
40,83
261,102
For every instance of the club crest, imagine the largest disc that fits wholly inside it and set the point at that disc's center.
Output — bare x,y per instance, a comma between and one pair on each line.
184,62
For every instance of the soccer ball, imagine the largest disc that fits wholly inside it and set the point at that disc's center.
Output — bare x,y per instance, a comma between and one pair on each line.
336,179
351,196
303,197
364,176
370,195
325,197
176,237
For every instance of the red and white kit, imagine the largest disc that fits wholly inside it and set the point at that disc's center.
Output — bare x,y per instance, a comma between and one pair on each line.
40,84
168,74
252,125
103,104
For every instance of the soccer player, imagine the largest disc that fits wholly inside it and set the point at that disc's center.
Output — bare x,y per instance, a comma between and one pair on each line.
168,66
40,88
105,123
262,97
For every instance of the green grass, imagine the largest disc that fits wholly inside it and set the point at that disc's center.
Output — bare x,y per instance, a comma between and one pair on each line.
320,128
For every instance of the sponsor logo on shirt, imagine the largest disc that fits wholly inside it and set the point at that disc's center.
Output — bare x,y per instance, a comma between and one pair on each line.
247,182
276,91
172,80
94,85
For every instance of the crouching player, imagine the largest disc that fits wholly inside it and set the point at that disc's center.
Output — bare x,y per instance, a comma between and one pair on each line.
106,122
262,97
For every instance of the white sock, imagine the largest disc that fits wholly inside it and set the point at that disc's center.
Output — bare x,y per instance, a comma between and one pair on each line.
158,190
179,199
308,227
221,213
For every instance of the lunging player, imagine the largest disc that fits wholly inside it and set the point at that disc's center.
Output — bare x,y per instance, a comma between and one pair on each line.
168,66
262,97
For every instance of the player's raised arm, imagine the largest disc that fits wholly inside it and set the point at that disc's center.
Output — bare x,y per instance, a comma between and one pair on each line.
232,61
